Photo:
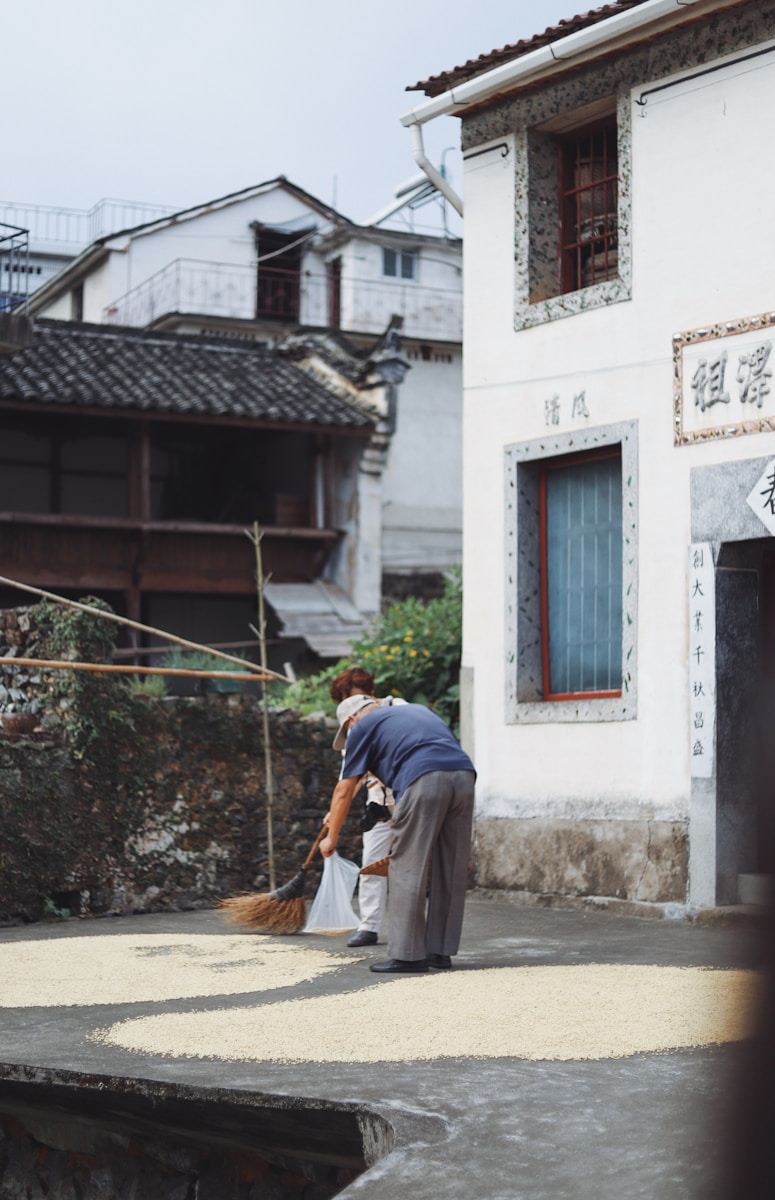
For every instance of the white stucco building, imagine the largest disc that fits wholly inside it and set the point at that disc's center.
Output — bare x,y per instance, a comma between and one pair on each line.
272,261
619,464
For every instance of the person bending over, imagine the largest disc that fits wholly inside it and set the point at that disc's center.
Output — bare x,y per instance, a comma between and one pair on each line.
414,753
376,823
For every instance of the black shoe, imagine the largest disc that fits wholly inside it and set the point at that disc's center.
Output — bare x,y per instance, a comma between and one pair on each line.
363,937
397,966
442,962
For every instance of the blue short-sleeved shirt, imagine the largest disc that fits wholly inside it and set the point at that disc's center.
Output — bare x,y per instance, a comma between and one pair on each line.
400,744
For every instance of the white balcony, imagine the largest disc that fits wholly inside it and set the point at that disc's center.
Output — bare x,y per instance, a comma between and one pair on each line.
356,305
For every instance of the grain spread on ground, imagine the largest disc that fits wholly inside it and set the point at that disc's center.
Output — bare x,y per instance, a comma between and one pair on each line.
590,1011
579,1012
127,968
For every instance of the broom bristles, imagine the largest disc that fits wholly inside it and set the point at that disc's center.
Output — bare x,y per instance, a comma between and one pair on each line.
265,914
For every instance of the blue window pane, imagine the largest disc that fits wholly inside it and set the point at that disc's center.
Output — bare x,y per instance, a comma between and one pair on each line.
584,576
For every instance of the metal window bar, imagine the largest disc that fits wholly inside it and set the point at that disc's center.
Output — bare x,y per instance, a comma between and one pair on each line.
278,293
589,197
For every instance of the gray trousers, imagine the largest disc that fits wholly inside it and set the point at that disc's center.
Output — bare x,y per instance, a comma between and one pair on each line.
432,823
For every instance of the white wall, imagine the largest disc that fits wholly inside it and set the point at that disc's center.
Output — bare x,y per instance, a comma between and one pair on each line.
703,251
422,493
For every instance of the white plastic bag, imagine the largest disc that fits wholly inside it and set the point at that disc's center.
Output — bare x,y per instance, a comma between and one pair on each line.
332,910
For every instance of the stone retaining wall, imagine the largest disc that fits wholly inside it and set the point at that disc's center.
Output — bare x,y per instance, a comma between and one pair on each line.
192,782
168,811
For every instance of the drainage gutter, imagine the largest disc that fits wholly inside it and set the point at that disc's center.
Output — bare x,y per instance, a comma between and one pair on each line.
520,70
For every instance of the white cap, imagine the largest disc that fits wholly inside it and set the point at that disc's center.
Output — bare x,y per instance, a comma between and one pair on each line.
348,708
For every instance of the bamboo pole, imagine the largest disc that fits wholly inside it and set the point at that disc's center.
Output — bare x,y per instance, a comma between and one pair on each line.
169,637
124,668
256,539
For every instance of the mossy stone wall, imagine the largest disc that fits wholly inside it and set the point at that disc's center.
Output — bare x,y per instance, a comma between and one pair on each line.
123,803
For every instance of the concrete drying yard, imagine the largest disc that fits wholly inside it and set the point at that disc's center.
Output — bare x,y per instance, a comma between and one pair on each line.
568,1054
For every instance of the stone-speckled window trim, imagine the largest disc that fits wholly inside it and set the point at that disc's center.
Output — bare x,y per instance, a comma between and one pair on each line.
524,677
625,75
535,189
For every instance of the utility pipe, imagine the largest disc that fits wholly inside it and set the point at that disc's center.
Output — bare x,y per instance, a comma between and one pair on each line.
519,70
436,178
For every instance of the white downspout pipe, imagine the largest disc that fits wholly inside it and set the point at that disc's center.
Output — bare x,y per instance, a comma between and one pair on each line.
418,150
477,90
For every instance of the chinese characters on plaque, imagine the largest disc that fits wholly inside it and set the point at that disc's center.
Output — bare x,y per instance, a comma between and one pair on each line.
702,660
556,409
723,379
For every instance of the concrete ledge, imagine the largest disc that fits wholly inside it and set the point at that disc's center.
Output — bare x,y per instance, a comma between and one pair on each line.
120,1136
736,916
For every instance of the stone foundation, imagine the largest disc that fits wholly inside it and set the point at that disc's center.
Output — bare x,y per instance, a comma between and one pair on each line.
644,861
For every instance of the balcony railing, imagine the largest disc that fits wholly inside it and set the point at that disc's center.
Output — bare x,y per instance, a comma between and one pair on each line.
247,291
188,286
14,268
73,229
159,556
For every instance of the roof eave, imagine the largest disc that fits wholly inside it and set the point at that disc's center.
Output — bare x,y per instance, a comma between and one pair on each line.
69,276
583,45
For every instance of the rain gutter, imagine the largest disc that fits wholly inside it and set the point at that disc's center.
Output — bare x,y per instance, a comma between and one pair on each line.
520,70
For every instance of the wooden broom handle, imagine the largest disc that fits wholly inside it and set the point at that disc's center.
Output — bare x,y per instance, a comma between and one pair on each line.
315,845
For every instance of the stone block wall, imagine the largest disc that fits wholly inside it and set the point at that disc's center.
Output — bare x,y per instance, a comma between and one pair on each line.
166,808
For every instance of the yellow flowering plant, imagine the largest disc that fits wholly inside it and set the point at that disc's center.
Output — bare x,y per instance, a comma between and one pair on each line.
413,652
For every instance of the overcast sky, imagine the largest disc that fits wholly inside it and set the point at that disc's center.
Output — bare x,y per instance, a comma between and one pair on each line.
181,101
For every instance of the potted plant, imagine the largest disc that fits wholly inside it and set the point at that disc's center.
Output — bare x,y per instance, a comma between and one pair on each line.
21,721
18,713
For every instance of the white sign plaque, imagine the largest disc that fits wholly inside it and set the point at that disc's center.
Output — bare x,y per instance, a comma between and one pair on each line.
702,660
723,380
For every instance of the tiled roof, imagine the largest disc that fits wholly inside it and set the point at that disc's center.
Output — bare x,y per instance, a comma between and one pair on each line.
442,82
74,366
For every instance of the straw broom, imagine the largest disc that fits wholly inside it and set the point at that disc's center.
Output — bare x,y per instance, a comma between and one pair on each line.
282,911
378,867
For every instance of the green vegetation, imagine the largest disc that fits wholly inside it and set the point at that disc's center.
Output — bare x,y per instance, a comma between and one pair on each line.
413,652
200,660
92,705
149,687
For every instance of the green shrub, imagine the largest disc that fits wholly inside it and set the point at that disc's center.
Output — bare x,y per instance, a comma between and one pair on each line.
413,652
150,687
200,660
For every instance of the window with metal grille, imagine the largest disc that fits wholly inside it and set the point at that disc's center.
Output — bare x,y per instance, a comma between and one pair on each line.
588,206
580,507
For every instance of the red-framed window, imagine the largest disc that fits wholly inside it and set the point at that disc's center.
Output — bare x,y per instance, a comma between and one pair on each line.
580,515
588,206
